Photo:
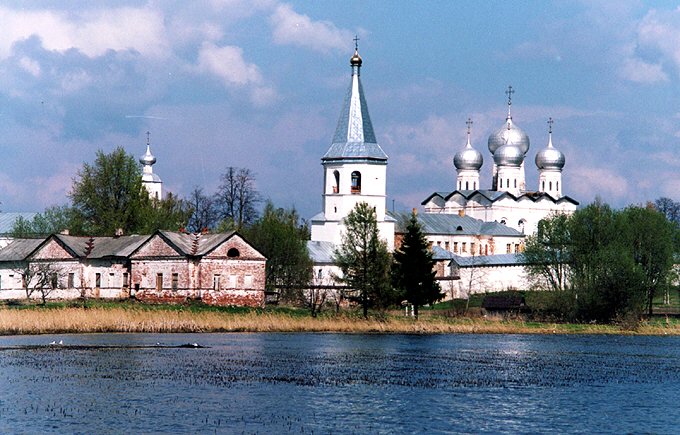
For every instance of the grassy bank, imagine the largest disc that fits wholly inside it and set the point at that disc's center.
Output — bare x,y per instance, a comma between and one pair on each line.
125,317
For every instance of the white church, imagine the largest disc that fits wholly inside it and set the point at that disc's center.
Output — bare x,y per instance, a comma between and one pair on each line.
472,231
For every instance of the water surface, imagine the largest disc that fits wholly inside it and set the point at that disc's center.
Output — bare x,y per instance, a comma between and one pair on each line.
339,383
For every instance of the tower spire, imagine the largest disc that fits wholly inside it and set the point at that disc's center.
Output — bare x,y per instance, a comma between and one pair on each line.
469,127
550,124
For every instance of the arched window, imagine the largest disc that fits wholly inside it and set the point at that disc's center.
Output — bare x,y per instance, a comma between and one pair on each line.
474,185
460,185
356,182
543,188
515,182
501,183
459,228
320,274
558,185
507,183
467,185
521,224
550,185
233,253
504,221
336,188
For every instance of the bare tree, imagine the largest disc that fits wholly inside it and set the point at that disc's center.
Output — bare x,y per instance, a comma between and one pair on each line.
204,215
237,198
42,278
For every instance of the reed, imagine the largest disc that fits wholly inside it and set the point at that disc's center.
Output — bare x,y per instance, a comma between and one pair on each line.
89,320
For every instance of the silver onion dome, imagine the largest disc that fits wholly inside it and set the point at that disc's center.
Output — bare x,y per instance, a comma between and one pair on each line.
468,158
550,157
509,134
147,158
508,155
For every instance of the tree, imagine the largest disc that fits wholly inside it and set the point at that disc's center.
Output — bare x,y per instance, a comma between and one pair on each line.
170,213
38,277
546,253
236,198
364,260
413,268
204,214
108,195
650,238
281,236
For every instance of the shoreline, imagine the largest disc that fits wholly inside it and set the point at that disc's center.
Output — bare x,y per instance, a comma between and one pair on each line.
79,320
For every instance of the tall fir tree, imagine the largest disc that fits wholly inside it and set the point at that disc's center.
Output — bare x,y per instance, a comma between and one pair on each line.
413,269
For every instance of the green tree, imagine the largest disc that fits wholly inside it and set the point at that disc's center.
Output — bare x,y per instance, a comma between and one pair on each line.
53,220
546,253
108,195
170,213
413,271
281,236
364,260
650,240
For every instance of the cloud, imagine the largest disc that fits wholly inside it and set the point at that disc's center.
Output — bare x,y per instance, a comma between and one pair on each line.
228,64
586,180
92,32
291,28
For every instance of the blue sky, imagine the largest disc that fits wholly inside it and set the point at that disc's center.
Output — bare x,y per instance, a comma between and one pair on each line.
259,84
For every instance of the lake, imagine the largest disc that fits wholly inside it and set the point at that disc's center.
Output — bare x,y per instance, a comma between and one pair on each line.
339,383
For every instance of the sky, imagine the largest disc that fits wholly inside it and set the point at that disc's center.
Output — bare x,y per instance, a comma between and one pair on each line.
259,84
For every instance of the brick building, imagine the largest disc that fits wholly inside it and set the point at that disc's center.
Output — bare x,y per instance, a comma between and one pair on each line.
220,269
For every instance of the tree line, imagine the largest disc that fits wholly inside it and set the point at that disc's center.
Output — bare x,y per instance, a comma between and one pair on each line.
603,264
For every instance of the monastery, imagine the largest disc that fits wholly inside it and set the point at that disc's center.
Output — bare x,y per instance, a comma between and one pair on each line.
476,235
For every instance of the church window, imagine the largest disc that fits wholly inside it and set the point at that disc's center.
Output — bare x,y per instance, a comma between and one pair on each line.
460,185
550,185
446,245
336,188
472,248
439,242
429,244
507,183
480,249
504,221
455,247
515,182
216,282
335,209
175,281
557,187
71,279
474,185
356,182
459,228
463,247
516,247
159,281
543,183
467,185
97,280
319,275
508,248
486,249
501,183
53,280
233,253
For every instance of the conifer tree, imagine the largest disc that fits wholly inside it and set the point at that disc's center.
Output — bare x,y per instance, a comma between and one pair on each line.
413,269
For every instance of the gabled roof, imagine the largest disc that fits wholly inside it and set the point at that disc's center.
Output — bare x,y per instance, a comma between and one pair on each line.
453,224
195,244
496,195
19,249
100,247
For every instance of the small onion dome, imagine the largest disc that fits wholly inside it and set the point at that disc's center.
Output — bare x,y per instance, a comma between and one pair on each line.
147,158
508,155
509,134
550,157
468,158
356,59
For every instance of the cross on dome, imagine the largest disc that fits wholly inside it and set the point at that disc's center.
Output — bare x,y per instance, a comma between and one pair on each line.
550,124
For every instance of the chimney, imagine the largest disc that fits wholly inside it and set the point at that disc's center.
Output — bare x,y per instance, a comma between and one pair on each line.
119,232
461,212
415,211
64,232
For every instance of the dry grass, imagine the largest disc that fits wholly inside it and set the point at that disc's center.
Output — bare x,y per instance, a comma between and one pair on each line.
79,320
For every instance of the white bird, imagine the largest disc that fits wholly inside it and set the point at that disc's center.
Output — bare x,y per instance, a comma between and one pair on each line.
53,342
61,341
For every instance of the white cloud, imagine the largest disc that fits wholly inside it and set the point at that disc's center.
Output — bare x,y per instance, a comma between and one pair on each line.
29,65
93,32
292,28
586,180
638,71
228,64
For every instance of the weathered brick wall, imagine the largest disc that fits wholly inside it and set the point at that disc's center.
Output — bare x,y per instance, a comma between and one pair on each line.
51,250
